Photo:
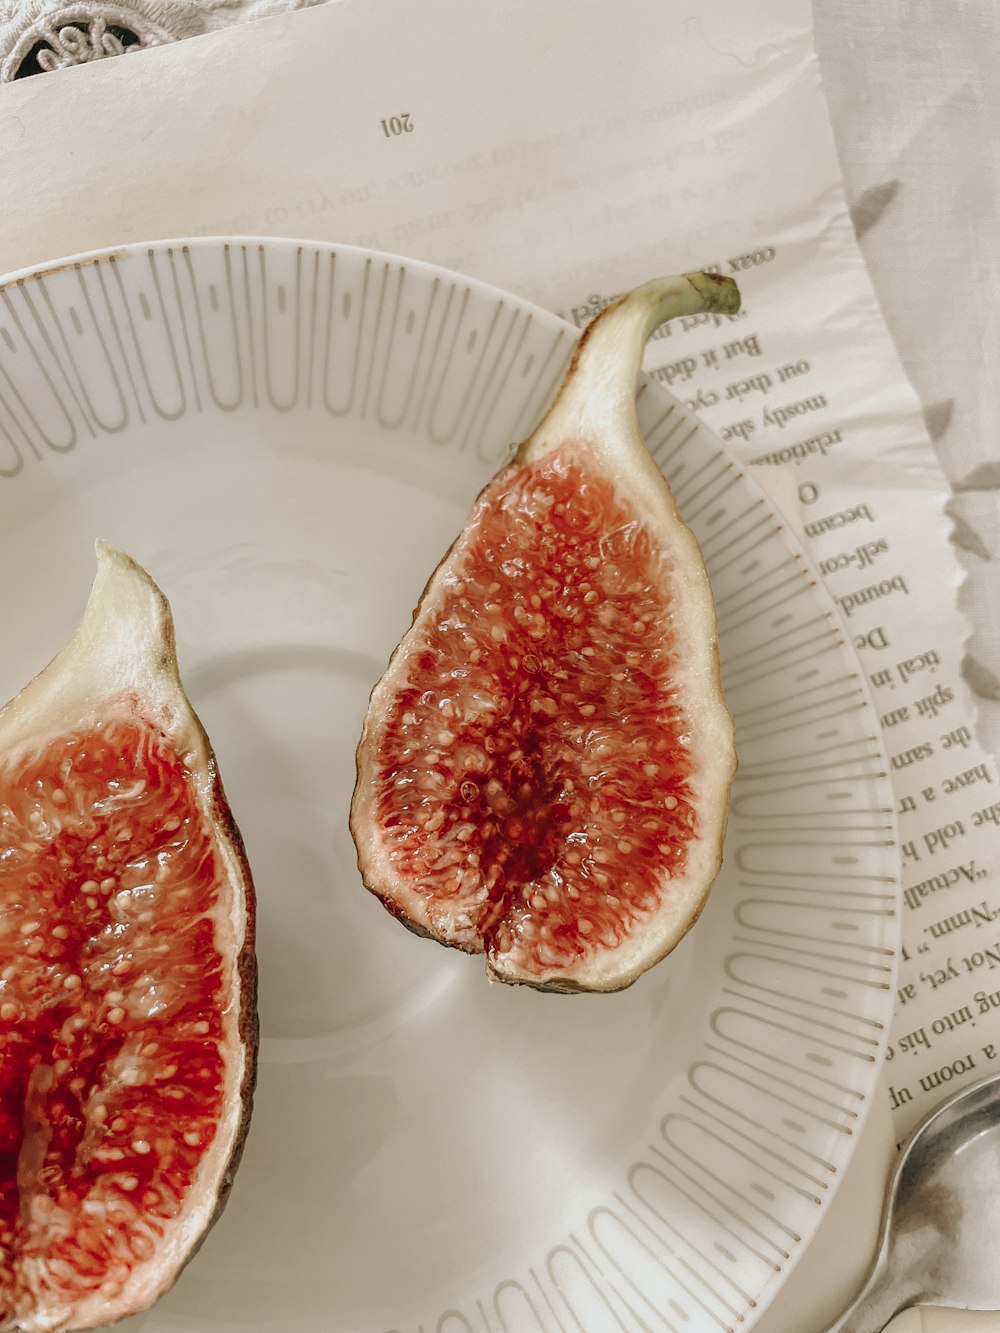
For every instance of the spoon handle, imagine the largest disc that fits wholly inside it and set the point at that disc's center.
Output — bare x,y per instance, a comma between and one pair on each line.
882,1297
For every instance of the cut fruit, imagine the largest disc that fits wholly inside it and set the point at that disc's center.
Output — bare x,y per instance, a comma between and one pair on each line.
544,770
128,1021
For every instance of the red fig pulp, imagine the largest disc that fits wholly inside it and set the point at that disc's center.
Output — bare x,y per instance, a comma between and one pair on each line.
127,984
544,771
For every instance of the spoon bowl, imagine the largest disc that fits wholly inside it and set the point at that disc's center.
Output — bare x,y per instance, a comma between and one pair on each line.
937,1244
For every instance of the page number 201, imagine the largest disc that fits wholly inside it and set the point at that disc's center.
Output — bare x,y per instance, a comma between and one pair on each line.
396,125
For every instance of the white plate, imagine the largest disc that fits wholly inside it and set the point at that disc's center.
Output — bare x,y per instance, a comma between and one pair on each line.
288,436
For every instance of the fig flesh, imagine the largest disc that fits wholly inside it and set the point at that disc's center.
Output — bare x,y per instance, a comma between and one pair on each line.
127,973
544,769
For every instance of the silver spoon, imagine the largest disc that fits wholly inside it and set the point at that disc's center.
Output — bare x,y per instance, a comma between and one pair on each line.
940,1236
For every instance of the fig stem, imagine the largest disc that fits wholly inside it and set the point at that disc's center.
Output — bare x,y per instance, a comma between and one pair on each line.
599,386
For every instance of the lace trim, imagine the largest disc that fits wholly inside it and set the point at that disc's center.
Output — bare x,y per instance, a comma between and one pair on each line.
76,35
39,36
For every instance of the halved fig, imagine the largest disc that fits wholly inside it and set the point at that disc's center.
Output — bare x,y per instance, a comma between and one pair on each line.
544,770
127,973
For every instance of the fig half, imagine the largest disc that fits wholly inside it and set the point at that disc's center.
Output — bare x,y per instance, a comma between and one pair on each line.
127,975
544,770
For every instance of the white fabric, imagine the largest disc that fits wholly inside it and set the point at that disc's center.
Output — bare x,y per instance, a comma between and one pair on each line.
915,105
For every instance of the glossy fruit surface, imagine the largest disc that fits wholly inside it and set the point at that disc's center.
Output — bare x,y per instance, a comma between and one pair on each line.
127,991
545,765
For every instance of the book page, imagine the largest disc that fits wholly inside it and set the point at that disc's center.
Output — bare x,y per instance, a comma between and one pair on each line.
566,153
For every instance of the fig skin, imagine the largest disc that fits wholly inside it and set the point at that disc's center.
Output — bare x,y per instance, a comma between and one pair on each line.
121,664
595,410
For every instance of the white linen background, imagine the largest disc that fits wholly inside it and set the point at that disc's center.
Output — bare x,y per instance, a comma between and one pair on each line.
915,105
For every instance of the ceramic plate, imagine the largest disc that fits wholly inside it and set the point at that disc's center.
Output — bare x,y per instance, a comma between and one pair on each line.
288,437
